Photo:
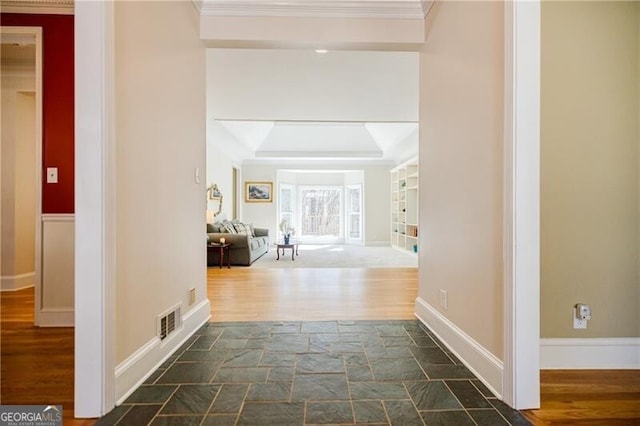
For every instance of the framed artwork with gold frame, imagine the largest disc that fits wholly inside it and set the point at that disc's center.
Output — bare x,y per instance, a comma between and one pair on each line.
258,192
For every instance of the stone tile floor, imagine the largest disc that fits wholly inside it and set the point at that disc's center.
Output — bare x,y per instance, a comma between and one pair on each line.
311,373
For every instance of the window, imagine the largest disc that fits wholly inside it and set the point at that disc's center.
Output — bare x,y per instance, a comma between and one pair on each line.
286,204
321,212
354,212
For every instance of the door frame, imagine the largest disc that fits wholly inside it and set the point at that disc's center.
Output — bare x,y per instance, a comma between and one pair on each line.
36,34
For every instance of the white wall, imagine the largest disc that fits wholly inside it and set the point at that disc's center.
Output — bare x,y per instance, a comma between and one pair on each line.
18,148
160,137
220,172
377,209
276,84
461,168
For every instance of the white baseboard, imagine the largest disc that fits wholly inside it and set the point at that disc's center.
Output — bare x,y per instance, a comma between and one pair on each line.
17,282
590,353
482,363
56,317
134,370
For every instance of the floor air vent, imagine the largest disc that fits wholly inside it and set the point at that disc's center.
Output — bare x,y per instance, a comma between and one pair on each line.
169,322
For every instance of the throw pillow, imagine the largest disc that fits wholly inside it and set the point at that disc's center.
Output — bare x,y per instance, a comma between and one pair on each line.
242,228
228,226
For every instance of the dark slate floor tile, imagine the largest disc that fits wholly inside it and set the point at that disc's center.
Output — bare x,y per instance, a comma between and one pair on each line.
229,399
192,355
291,344
276,359
259,343
356,327
224,343
390,342
359,373
191,399
346,347
369,412
447,418
286,328
177,420
320,363
427,356
447,371
432,395
325,338
280,374
467,394
242,358
209,329
329,413
377,390
379,353
402,413
269,392
139,415
112,417
157,394
397,369
204,342
424,342
356,359
320,387
391,330
513,416
246,332
169,361
154,377
189,372
187,343
277,413
220,420
319,348
482,388
241,375
488,417
320,327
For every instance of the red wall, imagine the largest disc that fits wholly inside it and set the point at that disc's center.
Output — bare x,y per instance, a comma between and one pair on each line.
58,98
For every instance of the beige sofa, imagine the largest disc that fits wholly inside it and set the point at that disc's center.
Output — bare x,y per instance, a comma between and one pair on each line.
247,243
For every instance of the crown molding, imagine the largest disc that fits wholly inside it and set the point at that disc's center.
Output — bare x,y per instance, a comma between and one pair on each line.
48,7
406,9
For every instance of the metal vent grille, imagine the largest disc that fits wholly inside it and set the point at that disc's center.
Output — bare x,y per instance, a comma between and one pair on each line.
168,323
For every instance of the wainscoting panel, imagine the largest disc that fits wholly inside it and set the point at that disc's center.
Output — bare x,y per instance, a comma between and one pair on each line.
57,286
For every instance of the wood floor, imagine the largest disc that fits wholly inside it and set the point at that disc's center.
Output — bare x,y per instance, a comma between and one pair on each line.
36,365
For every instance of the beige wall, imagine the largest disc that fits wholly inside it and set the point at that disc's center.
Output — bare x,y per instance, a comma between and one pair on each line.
461,136
160,136
589,167
18,151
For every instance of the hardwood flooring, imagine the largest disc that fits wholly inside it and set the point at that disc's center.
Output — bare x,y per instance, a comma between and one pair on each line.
250,294
36,365
588,397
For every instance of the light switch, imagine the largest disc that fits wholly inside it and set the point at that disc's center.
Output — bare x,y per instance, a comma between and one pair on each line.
196,175
52,175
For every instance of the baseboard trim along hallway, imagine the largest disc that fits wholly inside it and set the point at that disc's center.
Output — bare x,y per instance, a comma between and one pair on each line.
482,363
591,353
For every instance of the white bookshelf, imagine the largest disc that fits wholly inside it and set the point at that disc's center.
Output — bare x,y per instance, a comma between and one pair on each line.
404,206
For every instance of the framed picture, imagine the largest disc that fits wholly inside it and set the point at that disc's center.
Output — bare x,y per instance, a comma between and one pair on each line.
259,192
214,192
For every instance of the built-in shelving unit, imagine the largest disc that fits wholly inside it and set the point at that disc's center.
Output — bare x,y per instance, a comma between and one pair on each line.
404,206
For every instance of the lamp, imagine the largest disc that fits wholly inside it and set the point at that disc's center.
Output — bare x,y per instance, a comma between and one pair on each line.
211,216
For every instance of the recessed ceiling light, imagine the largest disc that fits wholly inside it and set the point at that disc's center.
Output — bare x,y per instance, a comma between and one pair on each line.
321,51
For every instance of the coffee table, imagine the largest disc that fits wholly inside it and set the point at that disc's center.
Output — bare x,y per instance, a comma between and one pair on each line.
221,248
293,245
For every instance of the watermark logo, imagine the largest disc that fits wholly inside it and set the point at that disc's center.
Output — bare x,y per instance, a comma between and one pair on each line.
30,415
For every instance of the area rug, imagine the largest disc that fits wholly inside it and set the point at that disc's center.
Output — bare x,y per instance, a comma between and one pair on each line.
338,256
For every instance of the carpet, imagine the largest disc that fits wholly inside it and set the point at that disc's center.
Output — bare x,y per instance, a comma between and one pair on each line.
338,256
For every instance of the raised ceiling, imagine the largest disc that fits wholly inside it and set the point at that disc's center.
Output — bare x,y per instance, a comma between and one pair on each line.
273,104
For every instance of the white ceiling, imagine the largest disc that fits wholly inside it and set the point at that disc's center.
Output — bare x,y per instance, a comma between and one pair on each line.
266,105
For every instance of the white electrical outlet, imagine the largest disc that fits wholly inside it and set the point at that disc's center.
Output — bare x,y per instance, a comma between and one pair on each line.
577,322
444,303
192,296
